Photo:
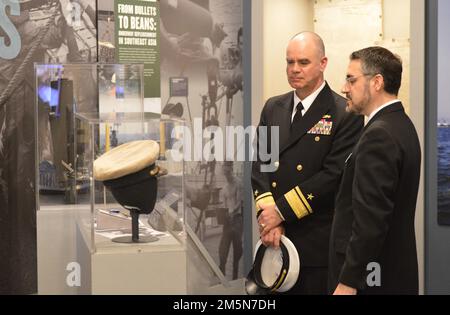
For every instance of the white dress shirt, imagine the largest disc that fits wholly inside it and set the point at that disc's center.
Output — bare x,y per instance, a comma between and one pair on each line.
380,108
307,102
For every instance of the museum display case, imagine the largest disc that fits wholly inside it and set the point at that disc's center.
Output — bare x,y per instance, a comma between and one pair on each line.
84,111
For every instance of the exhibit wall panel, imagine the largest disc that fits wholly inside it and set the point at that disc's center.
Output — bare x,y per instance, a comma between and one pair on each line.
282,20
395,13
336,22
44,32
346,26
202,75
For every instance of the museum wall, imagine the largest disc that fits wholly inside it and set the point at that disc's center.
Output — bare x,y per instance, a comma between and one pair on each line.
280,23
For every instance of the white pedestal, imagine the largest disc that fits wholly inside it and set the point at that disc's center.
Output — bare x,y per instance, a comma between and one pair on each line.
153,268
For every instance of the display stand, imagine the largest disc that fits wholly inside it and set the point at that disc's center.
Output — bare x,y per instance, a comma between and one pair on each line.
125,253
134,238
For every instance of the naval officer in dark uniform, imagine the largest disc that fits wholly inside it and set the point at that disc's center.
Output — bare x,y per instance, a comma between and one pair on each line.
372,245
316,134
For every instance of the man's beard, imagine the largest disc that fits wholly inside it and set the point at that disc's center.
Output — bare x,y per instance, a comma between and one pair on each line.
361,106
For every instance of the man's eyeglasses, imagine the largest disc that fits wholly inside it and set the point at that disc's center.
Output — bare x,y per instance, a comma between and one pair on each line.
352,79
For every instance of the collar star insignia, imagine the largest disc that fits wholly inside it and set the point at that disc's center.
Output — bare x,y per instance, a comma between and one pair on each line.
310,197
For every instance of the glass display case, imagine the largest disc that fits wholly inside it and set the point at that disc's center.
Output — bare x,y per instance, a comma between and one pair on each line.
63,90
102,220
82,112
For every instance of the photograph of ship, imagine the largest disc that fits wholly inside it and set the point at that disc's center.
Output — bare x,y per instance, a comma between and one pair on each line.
443,172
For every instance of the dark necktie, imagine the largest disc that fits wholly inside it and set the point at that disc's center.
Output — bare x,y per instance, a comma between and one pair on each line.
298,113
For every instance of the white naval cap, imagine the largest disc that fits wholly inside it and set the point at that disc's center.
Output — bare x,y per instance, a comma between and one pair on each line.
274,270
126,159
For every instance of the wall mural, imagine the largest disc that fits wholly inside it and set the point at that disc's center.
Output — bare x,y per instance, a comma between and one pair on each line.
44,31
201,81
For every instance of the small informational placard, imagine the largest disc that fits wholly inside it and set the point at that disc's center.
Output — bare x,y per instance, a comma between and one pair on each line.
179,87
137,39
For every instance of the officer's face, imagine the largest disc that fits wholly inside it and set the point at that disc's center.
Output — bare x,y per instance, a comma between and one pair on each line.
305,65
357,88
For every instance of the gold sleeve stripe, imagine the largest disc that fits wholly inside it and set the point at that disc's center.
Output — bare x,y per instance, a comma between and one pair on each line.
263,196
283,275
296,205
306,203
268,200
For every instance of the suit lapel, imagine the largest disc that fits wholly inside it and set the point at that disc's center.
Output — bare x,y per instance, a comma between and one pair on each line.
282,117
318,109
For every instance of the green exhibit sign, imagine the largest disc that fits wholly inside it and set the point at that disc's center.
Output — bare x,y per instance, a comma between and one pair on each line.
137,39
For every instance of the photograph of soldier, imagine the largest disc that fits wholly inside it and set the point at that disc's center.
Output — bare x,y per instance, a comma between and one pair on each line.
232,220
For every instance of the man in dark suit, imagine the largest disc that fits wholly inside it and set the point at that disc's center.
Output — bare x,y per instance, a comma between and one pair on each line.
372,245
316,134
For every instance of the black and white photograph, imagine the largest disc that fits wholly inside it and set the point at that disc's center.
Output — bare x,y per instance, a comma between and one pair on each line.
34,32
201,49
